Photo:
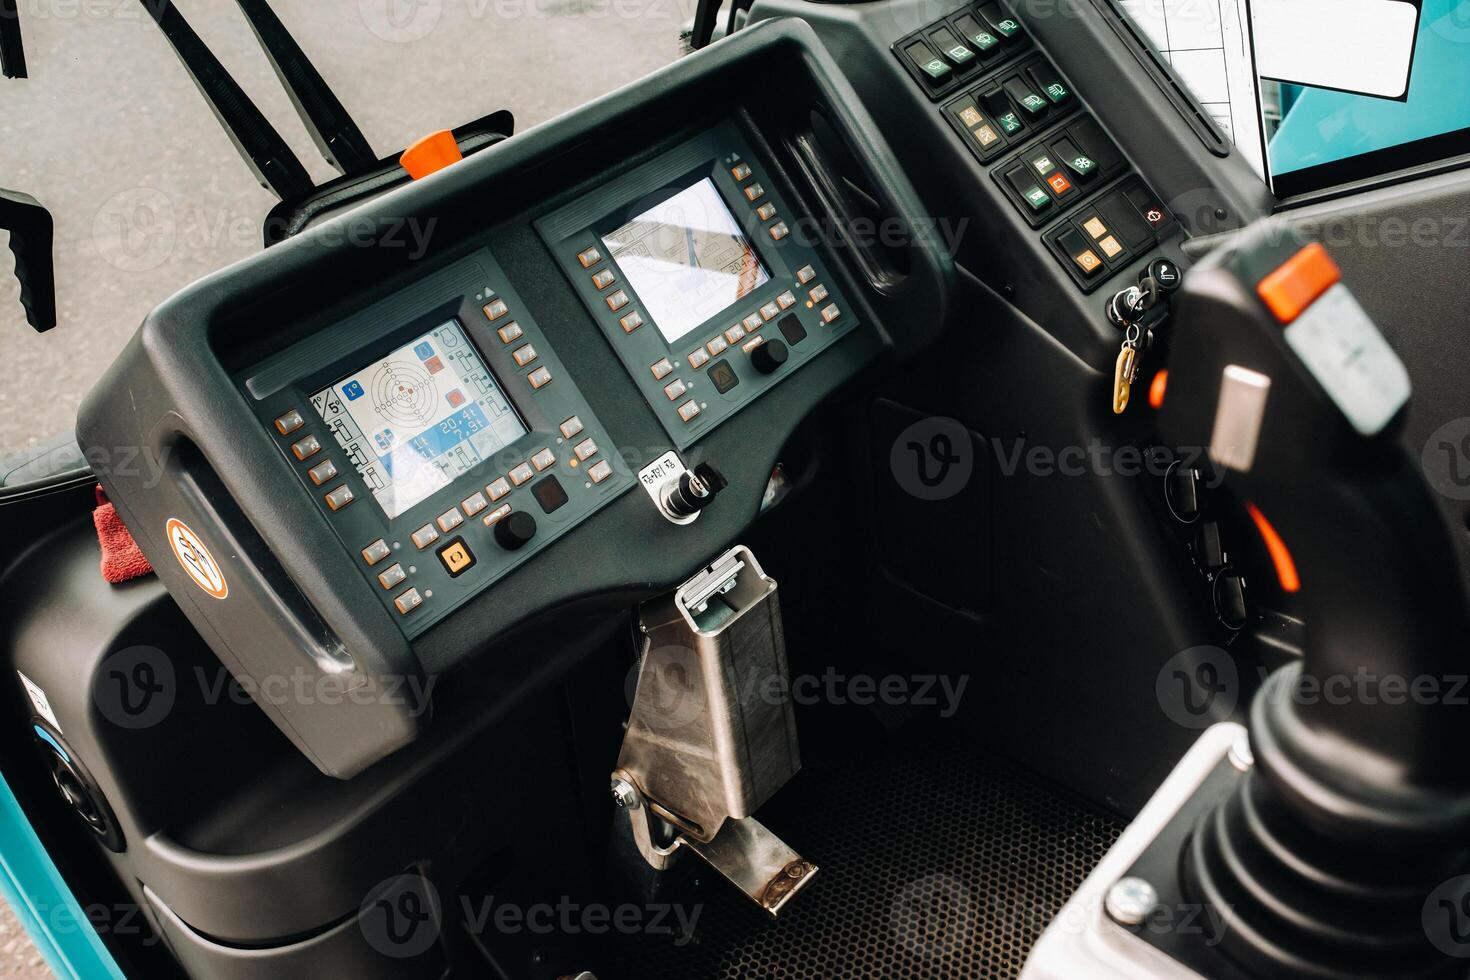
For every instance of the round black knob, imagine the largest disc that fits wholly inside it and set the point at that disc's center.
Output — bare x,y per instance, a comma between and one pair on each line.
1166,274
769,356
515,530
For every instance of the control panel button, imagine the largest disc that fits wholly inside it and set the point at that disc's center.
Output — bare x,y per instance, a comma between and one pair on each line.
698,359
424,536
786,300
449,520
1091,140
585,449
599,471
766,211
497,515
571,427
290,422
550,494
604,278
770,311
779,231
735,334
1095,227
1004,24
1166,274
409,601
805,274
1047,79
497,488
752,344
662,368
631,321
830,313
978,35
754,192
675,388
391,576
1002,111
540,378
340,497
1110,246
689,410
322,472
924,58
817,293
1080,164
521,474
495,309
543,460
985,136
306,448
716,347
1082,255
792,329
1059,184
740,171
752,323
510,333
524,355
473,504
954,52
723,376
617,300
1024,96
456,557
589,257
376,552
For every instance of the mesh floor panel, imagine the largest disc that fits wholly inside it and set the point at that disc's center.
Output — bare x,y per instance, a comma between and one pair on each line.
934,864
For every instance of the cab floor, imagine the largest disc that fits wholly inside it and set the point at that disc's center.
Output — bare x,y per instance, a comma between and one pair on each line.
935,863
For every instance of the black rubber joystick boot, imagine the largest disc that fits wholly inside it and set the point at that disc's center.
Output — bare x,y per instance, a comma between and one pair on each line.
1341,852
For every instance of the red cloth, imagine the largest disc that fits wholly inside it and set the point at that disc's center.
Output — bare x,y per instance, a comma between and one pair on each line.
121,557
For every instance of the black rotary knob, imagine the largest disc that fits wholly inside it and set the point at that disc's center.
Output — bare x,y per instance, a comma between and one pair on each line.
769,356
515,530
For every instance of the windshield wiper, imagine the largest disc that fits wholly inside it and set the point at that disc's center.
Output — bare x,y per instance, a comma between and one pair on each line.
31,231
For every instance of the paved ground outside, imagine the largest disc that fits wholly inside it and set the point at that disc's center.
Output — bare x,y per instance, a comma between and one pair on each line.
149,194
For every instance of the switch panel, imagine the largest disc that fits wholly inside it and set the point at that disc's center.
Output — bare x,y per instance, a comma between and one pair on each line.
1109,233
950,52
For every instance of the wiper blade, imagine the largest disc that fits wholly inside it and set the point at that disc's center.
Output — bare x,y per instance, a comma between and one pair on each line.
338,138
12,50
262,148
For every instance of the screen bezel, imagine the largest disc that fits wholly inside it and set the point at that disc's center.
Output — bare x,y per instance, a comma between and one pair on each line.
744,218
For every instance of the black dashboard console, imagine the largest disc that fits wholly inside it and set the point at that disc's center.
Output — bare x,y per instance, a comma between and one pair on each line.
368,465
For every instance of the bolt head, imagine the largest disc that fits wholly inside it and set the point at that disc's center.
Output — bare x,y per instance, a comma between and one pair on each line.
624,795
1131,900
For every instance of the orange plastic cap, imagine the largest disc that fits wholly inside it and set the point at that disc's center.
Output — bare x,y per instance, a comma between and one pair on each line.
1301,279
431,154
1285,565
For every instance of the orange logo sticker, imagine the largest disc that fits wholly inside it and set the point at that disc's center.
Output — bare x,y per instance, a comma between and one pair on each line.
196,559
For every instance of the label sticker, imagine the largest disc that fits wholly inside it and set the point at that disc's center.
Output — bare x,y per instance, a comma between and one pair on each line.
1339,343
39,701
196,559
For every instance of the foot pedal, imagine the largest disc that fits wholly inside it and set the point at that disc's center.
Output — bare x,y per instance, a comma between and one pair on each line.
712,734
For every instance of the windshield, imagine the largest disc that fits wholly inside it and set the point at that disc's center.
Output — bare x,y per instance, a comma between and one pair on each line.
147,191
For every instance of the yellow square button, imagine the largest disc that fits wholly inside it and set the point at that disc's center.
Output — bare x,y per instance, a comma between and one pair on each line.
457,557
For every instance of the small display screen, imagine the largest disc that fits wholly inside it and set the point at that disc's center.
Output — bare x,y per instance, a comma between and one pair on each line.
687,259
414,420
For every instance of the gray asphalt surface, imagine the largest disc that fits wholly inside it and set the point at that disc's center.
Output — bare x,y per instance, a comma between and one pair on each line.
149,194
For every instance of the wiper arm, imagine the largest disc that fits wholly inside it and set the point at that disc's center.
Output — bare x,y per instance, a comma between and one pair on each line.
267,154
338,138
12,51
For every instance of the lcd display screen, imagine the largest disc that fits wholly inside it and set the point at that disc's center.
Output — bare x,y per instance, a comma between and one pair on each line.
414,420
687,259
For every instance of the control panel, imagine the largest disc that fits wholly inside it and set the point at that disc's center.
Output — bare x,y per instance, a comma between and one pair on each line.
1050,158
702,276
440,437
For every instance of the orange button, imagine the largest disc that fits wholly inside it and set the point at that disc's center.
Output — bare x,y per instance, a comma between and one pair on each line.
1059,183
1296,285
430,154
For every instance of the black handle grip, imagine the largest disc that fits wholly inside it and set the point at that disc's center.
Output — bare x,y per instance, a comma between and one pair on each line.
31,231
